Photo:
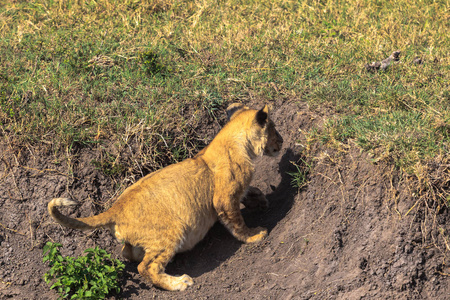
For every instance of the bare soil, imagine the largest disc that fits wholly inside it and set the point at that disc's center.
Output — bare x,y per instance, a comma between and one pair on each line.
346,235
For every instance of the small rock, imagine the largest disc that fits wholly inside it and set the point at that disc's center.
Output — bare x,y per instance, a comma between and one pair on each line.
362,263
408,249
418,60
375,66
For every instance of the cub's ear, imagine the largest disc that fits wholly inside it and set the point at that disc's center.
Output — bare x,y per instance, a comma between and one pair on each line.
262,115
233,108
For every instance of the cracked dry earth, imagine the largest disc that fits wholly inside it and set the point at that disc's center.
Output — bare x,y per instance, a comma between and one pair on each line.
339,237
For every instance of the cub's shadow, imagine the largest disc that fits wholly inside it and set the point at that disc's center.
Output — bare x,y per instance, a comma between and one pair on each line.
280,199
219,244
134,284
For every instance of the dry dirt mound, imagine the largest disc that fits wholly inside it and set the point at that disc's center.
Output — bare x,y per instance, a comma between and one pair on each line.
340,237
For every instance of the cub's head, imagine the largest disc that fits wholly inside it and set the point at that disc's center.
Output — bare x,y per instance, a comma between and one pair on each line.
259,129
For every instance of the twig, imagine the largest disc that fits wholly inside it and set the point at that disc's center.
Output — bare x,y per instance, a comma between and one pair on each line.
46,170
325,176
412,208
31,232
7,169
17,187
12,229
5,283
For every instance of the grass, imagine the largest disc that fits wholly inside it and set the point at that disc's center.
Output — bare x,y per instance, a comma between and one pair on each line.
149,73
300,176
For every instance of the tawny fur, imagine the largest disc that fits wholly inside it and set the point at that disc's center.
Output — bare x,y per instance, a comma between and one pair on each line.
171,210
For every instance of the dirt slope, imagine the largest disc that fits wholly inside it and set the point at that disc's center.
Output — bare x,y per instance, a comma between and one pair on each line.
340,237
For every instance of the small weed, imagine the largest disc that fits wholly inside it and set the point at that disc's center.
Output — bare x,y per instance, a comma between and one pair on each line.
300,177
212,102
151,62
92,276
108,166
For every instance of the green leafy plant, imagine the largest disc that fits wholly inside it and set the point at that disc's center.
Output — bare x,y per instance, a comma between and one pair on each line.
92,276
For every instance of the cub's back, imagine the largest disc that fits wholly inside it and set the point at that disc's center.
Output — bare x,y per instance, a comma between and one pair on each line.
178,192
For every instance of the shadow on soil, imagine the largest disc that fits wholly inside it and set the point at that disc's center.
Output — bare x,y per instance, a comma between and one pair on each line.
138,284
281,199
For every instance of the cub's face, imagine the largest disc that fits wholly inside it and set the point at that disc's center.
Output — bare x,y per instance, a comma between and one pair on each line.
261,130
274,140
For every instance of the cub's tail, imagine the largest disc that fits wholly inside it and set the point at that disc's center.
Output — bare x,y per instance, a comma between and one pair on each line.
103,219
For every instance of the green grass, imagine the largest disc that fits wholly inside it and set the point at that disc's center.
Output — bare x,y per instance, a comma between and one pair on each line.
146,73
300,176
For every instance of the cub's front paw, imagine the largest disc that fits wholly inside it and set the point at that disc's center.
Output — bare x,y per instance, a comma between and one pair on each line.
255,199
258,234
181,283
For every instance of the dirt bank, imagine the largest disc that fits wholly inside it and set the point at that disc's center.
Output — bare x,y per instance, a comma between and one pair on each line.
345,235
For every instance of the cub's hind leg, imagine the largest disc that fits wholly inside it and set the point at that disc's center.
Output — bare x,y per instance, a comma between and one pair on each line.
152,268
132,253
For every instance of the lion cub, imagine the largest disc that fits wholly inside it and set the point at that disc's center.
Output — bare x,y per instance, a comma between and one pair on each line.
172,209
